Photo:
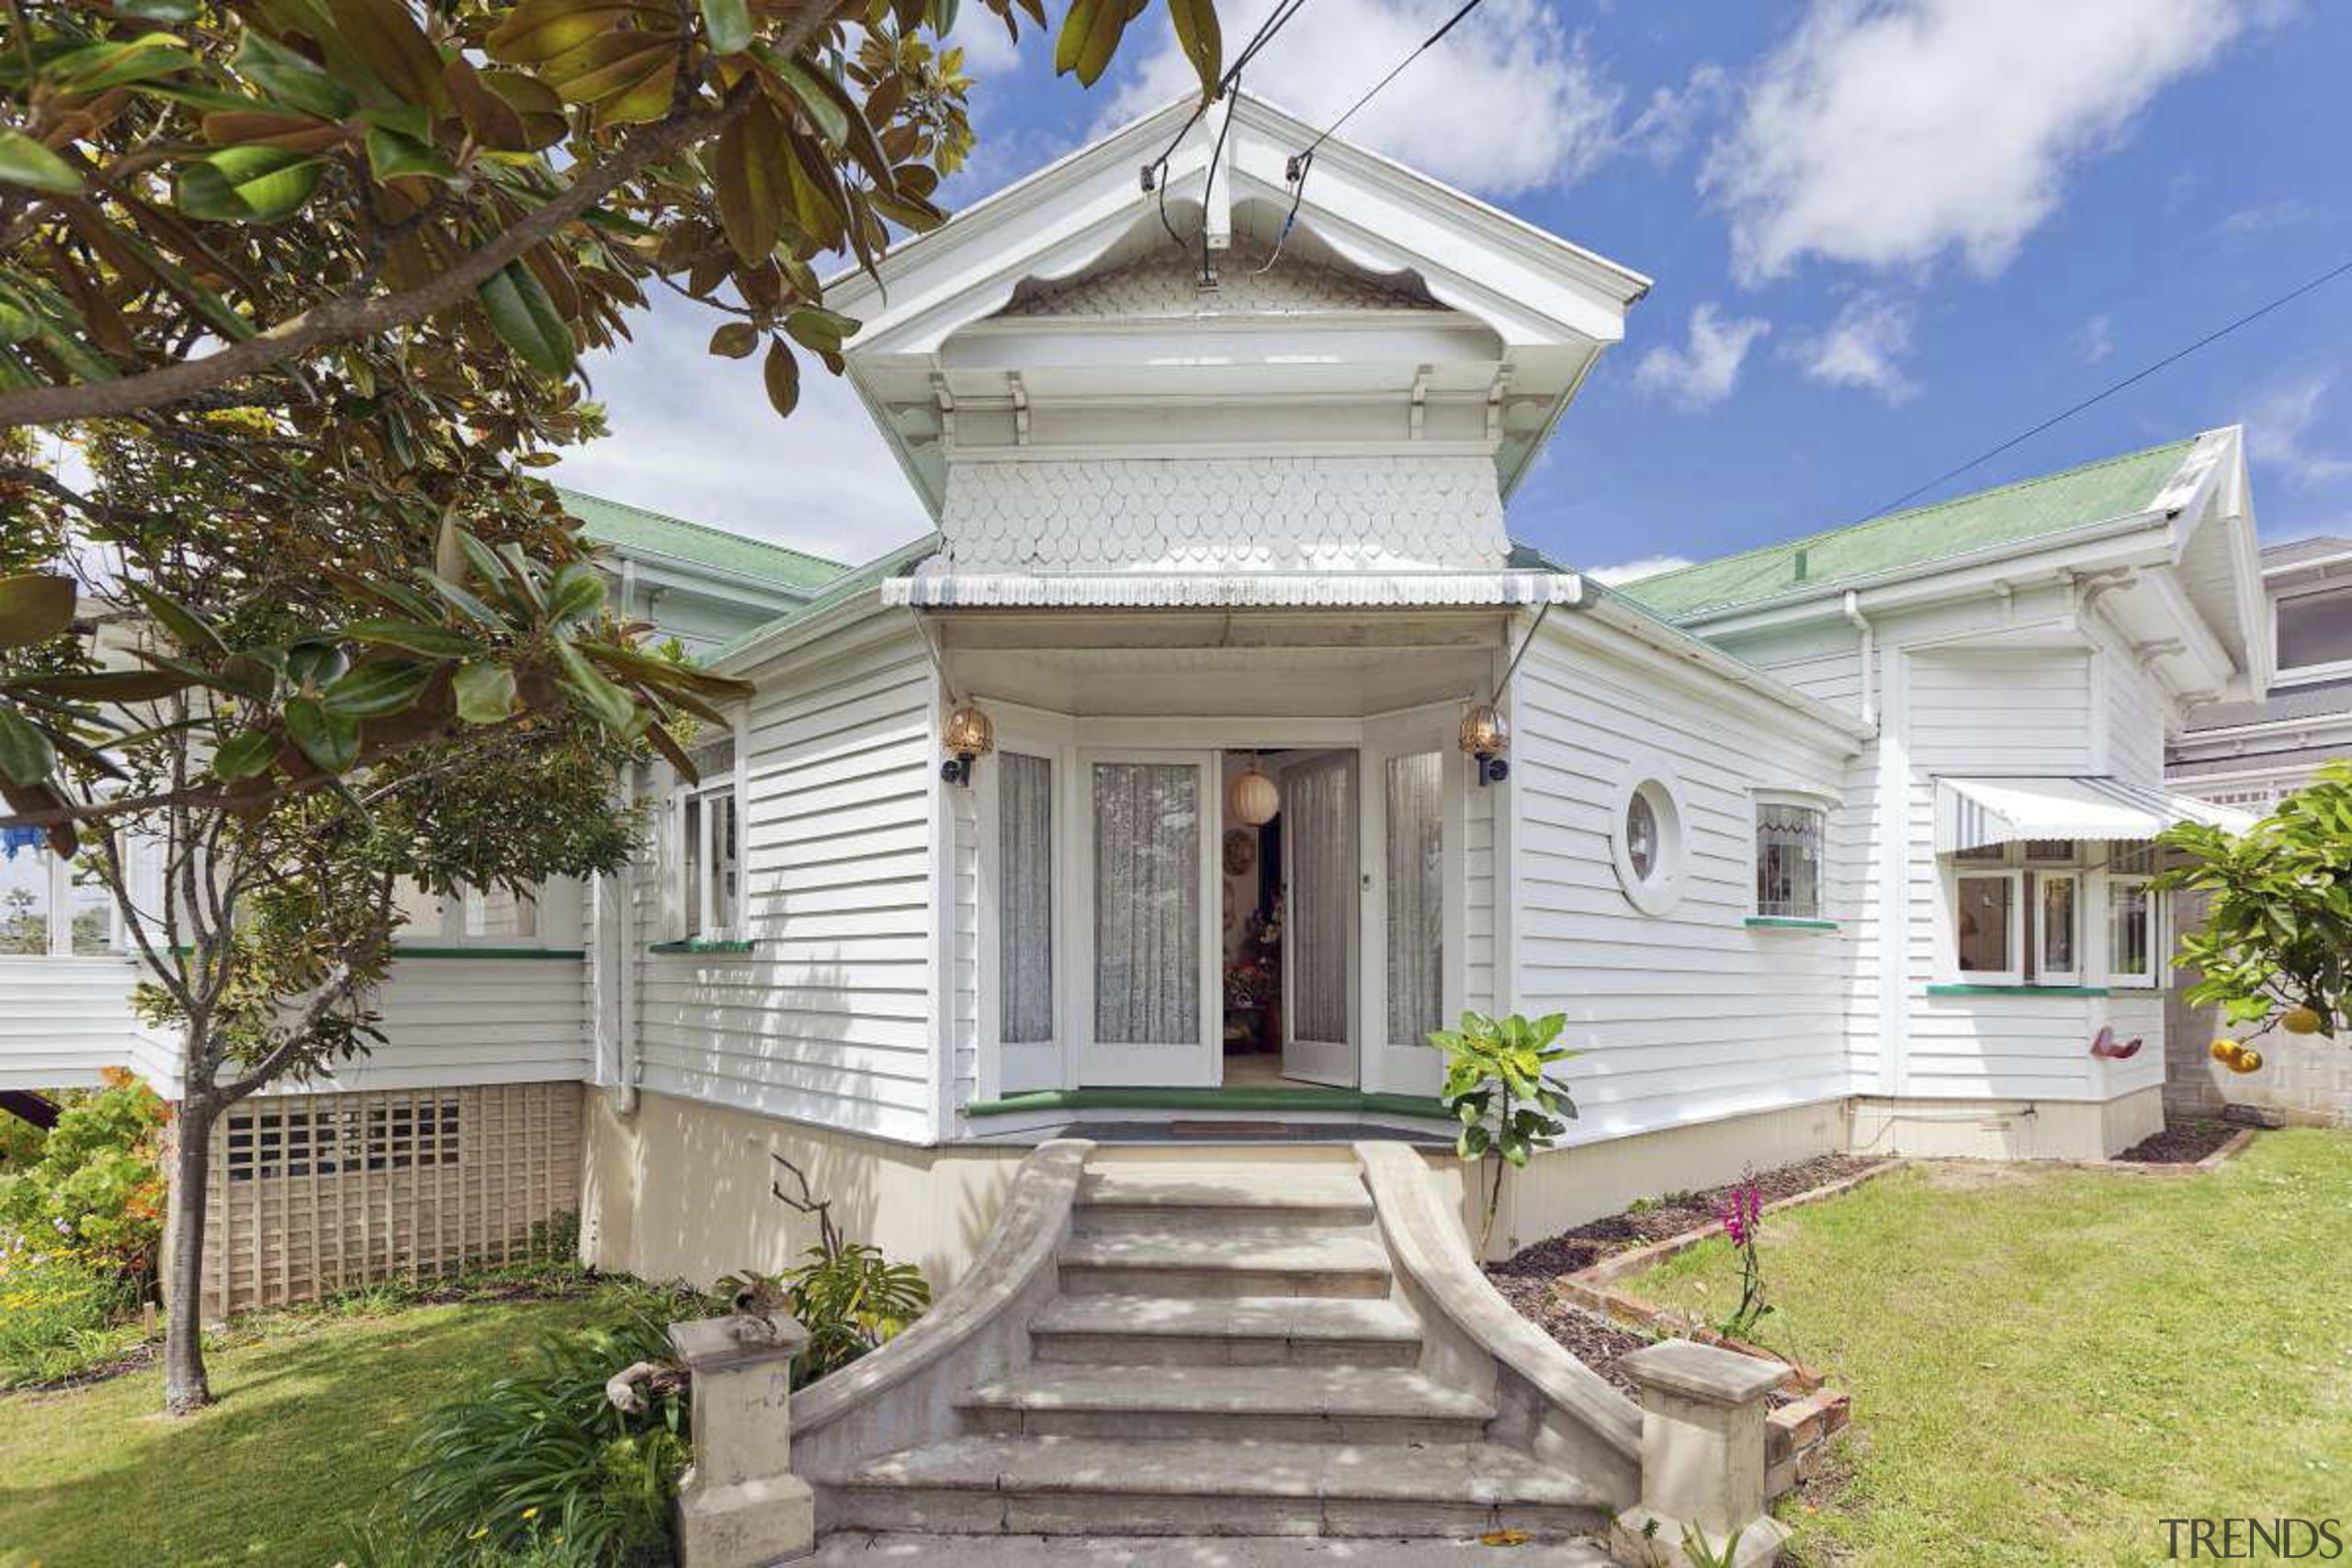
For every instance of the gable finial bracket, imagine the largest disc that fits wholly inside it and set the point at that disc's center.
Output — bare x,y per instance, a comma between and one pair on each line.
1020,392
1497,392
1421,398
941,394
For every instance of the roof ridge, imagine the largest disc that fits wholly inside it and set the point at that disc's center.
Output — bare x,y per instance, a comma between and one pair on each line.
752,539
2028,483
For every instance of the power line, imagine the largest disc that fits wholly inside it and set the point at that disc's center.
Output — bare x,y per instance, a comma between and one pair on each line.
2330,276
1303,160
1155,172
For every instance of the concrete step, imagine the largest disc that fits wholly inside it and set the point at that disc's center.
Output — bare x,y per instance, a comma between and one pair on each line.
1155,1257
1392,1405
1313,1193
864,1548
1064,1486
1167,1331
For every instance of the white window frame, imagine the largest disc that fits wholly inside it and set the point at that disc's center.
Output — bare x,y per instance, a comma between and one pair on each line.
680,858
2042,974
58,917
1649,774
2153,978
2020,917
1802,800
2304,674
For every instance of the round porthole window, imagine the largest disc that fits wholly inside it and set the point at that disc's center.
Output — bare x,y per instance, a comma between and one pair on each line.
1647,845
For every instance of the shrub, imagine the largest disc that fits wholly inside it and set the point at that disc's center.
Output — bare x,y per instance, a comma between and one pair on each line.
60,1312
97,1184
1498,1086
542,1462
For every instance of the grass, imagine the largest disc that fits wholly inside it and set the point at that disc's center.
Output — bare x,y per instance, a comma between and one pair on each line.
2047,1364
314,1419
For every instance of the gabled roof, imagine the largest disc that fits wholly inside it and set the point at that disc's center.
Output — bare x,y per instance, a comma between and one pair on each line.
634,531
2008,515
2304,552
866,578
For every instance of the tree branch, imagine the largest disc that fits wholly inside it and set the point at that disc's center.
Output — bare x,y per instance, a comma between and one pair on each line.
343,320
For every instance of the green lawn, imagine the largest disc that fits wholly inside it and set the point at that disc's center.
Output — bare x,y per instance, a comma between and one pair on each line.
310,1428
2045,1364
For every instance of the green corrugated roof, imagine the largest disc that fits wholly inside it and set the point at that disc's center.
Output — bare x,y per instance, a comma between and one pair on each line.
634,529
2073,498
849,585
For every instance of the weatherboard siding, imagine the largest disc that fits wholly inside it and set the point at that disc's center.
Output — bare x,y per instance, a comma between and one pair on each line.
1692,1014
65,1021
828,1018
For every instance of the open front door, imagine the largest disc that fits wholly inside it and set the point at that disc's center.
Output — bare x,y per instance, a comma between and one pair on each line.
1322,882
1149,1002
1414,971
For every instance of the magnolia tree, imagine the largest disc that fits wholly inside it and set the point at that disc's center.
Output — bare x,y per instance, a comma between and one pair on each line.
2276,949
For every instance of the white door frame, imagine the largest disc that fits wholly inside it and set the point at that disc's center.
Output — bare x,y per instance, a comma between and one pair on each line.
1005,1068
1174,1063
1410,1066
1335,1062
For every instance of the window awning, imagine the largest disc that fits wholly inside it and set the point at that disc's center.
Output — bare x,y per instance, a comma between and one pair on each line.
1973,813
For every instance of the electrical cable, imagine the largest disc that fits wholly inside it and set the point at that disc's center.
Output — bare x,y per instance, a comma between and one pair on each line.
1155,170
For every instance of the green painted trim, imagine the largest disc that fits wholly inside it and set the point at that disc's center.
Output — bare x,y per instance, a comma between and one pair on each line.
701,947
574,954
1146,1099
2017,990
1788,924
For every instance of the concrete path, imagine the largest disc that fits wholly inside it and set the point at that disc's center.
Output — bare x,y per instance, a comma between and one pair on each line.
857,1549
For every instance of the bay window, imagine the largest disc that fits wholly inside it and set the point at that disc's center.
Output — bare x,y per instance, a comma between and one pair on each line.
2032,914
1988,930
2130,932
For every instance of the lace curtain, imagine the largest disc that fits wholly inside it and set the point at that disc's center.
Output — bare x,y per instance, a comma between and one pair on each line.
1025,899
1416,899
1320,828
1146,904
1788,862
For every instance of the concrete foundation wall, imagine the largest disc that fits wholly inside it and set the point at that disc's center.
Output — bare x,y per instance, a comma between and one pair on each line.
2005,1129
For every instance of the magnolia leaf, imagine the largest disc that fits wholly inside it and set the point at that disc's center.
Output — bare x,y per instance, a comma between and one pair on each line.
727,26
736,340
747,184
819,331
414,636
25,161
119,62
247,185
34,607
485,693
289,78
449,552
603,701
372,690
466,604
782,373
489,119
1198,36
526,319
25,755
392,155
383,38
314,661
190,630
577,592
244,754
107,685
330,739
830,117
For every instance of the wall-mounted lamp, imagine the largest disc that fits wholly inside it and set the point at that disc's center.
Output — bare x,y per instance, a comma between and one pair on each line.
968,735
1486,734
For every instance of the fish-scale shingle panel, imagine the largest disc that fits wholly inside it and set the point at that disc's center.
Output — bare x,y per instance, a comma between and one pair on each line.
1226,515
1167,283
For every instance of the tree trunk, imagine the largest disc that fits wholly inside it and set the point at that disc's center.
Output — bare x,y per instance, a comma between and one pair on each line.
186,1388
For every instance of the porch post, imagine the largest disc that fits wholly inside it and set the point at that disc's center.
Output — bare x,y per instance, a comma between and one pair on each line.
740,1505
1703,1459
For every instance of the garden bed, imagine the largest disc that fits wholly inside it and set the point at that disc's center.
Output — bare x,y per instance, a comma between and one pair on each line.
1676,1214
2186,1143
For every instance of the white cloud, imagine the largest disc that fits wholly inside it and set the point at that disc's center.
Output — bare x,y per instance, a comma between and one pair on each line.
2251,223
1635,571
693,436
1674,116
988,47
1863,348
1705,372
2095,339
1886,133
1509,102
2279,429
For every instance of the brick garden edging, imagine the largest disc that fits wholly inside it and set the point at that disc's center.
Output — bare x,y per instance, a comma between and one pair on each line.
2227,1151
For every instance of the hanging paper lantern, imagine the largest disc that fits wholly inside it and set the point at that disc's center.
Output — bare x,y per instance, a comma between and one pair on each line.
1253,799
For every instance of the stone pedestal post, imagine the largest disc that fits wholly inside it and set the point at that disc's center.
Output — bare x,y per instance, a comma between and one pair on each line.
740,1505
1702,1460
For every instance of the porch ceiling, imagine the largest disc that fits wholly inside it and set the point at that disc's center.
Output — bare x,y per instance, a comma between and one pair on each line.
1203,683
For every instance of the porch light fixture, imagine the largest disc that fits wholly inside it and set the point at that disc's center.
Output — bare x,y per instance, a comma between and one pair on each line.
1486,736
968,735
1253,798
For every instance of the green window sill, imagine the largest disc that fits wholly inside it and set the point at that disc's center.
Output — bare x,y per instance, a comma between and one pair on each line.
700,946
1787,923
2017,990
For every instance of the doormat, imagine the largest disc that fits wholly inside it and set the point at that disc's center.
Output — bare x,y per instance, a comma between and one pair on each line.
1233,1129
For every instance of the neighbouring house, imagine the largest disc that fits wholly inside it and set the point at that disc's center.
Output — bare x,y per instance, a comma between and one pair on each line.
1220,743
2248,755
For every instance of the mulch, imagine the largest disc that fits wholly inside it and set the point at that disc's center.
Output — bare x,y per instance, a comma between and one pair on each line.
1525,1279
2181,1143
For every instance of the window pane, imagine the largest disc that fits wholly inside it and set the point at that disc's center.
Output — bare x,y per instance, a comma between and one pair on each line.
2058,925
1024,898
1641,836
1146,904
2129,944
1325,874
2314,629
1416,897
724,831
93,916
1986,911
24,901
690,852
1788,862
2050,848
2136,856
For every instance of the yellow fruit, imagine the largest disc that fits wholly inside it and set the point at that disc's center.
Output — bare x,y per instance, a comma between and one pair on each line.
2247,1062
2226,1050
2301,1021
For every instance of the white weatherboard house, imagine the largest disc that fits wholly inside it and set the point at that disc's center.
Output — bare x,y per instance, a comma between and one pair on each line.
1219,745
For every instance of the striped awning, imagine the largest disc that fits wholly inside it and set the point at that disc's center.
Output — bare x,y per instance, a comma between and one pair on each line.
1973,813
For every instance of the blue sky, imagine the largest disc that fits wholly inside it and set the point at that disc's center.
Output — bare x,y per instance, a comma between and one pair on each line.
1885,237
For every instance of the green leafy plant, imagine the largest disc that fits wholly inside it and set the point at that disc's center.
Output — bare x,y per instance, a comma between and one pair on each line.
543,1460
2275,947
1700,1555
94,1184
848,1296
61,1312
1497,1084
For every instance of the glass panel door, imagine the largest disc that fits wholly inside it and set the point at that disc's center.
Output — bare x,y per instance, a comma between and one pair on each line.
1151,1008
1322,886
1415,887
